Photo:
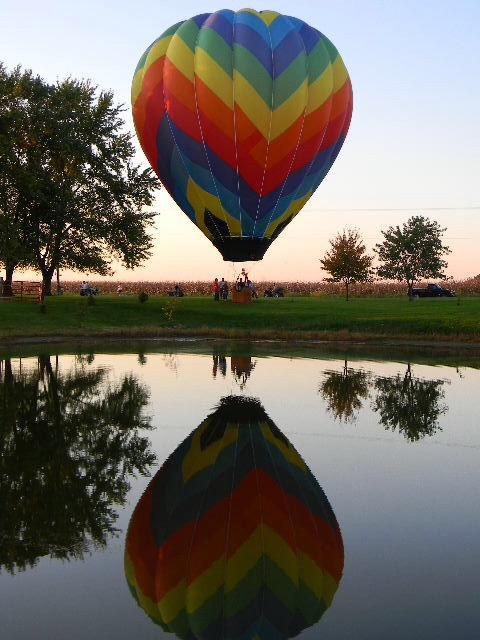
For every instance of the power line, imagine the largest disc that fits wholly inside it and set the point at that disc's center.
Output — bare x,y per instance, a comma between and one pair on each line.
346,210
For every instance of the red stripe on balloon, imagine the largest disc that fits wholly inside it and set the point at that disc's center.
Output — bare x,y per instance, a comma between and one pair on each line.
259,499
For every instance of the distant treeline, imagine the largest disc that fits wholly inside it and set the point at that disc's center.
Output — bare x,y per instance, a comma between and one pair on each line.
468,287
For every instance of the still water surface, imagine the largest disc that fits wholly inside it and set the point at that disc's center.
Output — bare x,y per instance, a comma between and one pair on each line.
323,497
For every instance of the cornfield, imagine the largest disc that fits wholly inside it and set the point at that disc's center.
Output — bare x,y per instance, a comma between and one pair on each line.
468,287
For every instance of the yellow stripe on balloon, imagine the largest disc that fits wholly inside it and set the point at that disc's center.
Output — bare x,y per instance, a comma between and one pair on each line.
157,51
252,104
268,17
289,111
264,541
205,586
340,74
137,83
181,56
201,200
173,603
319,581
147,604
212,74
197,460
288,453
320,90
292,211
228,575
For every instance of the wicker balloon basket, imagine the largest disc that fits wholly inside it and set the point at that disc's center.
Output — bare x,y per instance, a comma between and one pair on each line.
244,296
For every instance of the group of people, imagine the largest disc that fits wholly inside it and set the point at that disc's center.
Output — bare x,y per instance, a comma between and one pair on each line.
177,292
220,289
243,282
86,289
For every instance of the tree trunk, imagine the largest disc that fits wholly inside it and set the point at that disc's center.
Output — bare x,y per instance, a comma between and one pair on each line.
7,283
8,376
47,276
346,286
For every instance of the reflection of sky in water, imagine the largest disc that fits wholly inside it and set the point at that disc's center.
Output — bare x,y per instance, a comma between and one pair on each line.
409,512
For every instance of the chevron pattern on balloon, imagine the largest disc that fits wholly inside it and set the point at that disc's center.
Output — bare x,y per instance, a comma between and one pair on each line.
233,537
241,115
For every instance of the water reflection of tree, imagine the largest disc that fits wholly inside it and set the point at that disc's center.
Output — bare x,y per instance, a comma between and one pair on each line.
68,443
344,391
410,405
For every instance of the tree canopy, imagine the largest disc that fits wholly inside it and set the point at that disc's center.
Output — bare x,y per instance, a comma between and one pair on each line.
412,252
347,260
72,193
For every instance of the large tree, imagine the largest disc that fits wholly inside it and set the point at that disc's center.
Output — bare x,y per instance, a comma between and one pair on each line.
83,205
347,260
19,92
413,252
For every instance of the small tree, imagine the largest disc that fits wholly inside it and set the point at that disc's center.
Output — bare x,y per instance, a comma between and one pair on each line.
412,252
347,260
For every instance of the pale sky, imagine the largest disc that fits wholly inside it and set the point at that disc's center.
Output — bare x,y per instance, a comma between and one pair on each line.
414,141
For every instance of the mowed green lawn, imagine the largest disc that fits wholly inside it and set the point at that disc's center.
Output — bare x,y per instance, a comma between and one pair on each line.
276,318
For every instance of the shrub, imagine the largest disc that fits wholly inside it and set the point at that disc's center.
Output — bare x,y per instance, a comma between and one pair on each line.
142,297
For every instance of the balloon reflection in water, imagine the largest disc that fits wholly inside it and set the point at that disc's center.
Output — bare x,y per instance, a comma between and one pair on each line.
234,538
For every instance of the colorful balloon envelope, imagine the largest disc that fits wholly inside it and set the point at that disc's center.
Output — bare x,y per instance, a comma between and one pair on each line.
241,115
234,538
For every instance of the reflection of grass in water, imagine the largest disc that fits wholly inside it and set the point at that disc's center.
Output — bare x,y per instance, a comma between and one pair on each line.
293,318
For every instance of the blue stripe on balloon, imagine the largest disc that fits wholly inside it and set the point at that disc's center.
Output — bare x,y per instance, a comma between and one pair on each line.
254,22
200,19
279,30
286,52
187,145
311,37
222,23
255,44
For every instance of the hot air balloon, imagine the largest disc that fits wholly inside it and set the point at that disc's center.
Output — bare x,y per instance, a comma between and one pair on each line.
233,537
241,115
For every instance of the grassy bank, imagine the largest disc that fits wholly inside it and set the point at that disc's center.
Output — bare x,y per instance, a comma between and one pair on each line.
288,318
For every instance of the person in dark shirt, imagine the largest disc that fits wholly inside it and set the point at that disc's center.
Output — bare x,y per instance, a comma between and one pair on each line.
216,290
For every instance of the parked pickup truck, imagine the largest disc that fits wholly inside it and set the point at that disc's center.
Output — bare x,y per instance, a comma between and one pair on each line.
432,291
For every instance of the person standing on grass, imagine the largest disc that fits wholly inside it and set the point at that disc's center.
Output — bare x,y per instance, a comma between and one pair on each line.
223,290
216,290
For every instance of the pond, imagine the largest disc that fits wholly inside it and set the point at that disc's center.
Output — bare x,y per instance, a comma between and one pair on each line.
161,491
